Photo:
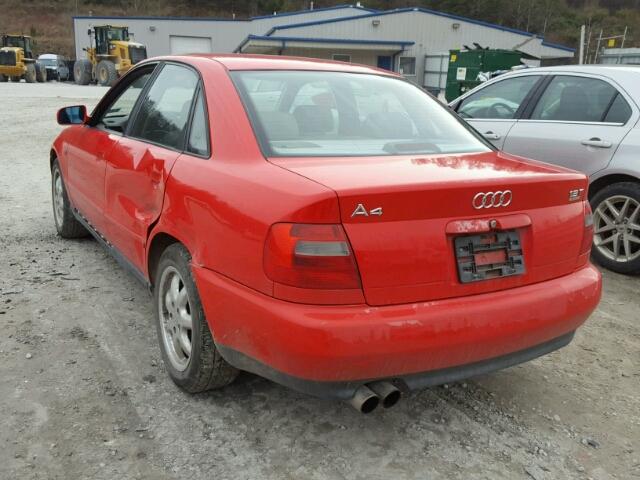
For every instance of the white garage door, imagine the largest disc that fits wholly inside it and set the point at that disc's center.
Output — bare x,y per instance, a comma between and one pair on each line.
180,45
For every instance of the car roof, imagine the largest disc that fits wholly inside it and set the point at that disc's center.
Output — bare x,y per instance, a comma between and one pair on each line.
594,69
236,61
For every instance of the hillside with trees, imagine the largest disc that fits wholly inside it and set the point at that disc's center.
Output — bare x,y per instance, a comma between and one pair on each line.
49,21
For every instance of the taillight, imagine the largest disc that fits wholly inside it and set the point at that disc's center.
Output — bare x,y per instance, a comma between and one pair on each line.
587,235
310,256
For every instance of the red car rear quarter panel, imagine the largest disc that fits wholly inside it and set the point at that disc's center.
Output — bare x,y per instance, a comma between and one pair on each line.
221,208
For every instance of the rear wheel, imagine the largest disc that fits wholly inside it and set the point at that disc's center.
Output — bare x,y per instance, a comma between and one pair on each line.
106,73
66,223
82,71
616,227
31,75
187,346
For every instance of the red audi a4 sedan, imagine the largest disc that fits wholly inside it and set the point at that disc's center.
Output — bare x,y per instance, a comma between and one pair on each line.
328,226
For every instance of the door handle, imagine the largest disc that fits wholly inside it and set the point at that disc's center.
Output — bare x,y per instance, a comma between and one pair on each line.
596,142
491,136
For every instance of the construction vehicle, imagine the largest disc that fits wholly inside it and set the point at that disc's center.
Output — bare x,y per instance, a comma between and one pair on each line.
17,60
110,55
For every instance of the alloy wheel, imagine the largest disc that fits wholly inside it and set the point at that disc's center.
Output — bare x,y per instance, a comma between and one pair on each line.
175,318
617,228
58,198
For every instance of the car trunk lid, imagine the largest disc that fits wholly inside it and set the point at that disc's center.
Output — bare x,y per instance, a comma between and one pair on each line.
417,235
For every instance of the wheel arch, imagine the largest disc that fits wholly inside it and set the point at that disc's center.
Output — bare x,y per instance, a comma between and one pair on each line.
159,241
53,156
606,180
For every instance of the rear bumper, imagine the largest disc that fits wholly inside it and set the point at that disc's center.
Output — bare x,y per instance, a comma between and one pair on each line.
330,350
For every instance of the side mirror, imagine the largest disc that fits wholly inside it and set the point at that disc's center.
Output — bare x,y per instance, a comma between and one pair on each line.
76,115
89,32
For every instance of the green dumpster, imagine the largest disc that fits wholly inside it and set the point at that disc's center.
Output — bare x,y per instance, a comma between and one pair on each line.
465,65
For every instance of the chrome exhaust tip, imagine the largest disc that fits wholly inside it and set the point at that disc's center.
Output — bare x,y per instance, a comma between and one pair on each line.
364,400
387,391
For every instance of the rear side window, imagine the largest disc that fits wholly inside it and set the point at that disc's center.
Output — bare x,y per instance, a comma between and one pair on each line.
575,99
164,112
498,101
619,112
199,133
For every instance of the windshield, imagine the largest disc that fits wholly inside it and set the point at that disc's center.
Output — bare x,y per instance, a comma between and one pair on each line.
118,34
48,62
313,113
14,42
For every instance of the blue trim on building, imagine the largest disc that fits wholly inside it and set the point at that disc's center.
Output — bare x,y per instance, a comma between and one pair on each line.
347,41
182,19
558,46
421,10
218,19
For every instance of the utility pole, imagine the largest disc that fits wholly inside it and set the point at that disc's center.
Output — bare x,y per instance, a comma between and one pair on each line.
581,54
595,56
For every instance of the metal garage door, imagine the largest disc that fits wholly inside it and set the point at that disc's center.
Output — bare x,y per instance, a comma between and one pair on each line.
180,45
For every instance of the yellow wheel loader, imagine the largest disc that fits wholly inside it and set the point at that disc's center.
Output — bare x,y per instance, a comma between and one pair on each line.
17,60
110,55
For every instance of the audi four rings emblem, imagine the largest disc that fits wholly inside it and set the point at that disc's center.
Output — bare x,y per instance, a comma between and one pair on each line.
501,198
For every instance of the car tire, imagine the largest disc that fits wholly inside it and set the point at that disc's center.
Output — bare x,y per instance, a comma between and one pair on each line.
82,71
41,73
188,350
106,73
67,225
616,226
31,74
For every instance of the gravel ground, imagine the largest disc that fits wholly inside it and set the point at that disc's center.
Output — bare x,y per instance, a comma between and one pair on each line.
84,393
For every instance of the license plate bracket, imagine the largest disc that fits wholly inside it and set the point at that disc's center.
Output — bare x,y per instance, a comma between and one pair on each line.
489,255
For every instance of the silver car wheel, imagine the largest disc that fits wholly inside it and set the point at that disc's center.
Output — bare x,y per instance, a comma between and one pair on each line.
58,198
617,228
175,318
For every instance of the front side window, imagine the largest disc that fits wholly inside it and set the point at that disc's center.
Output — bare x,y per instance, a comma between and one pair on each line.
116,117
164,112
500,100
408,66
312,113
575,99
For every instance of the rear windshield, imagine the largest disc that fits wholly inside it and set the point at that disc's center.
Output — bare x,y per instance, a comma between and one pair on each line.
313,113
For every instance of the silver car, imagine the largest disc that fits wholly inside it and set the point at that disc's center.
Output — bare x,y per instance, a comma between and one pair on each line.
581,117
